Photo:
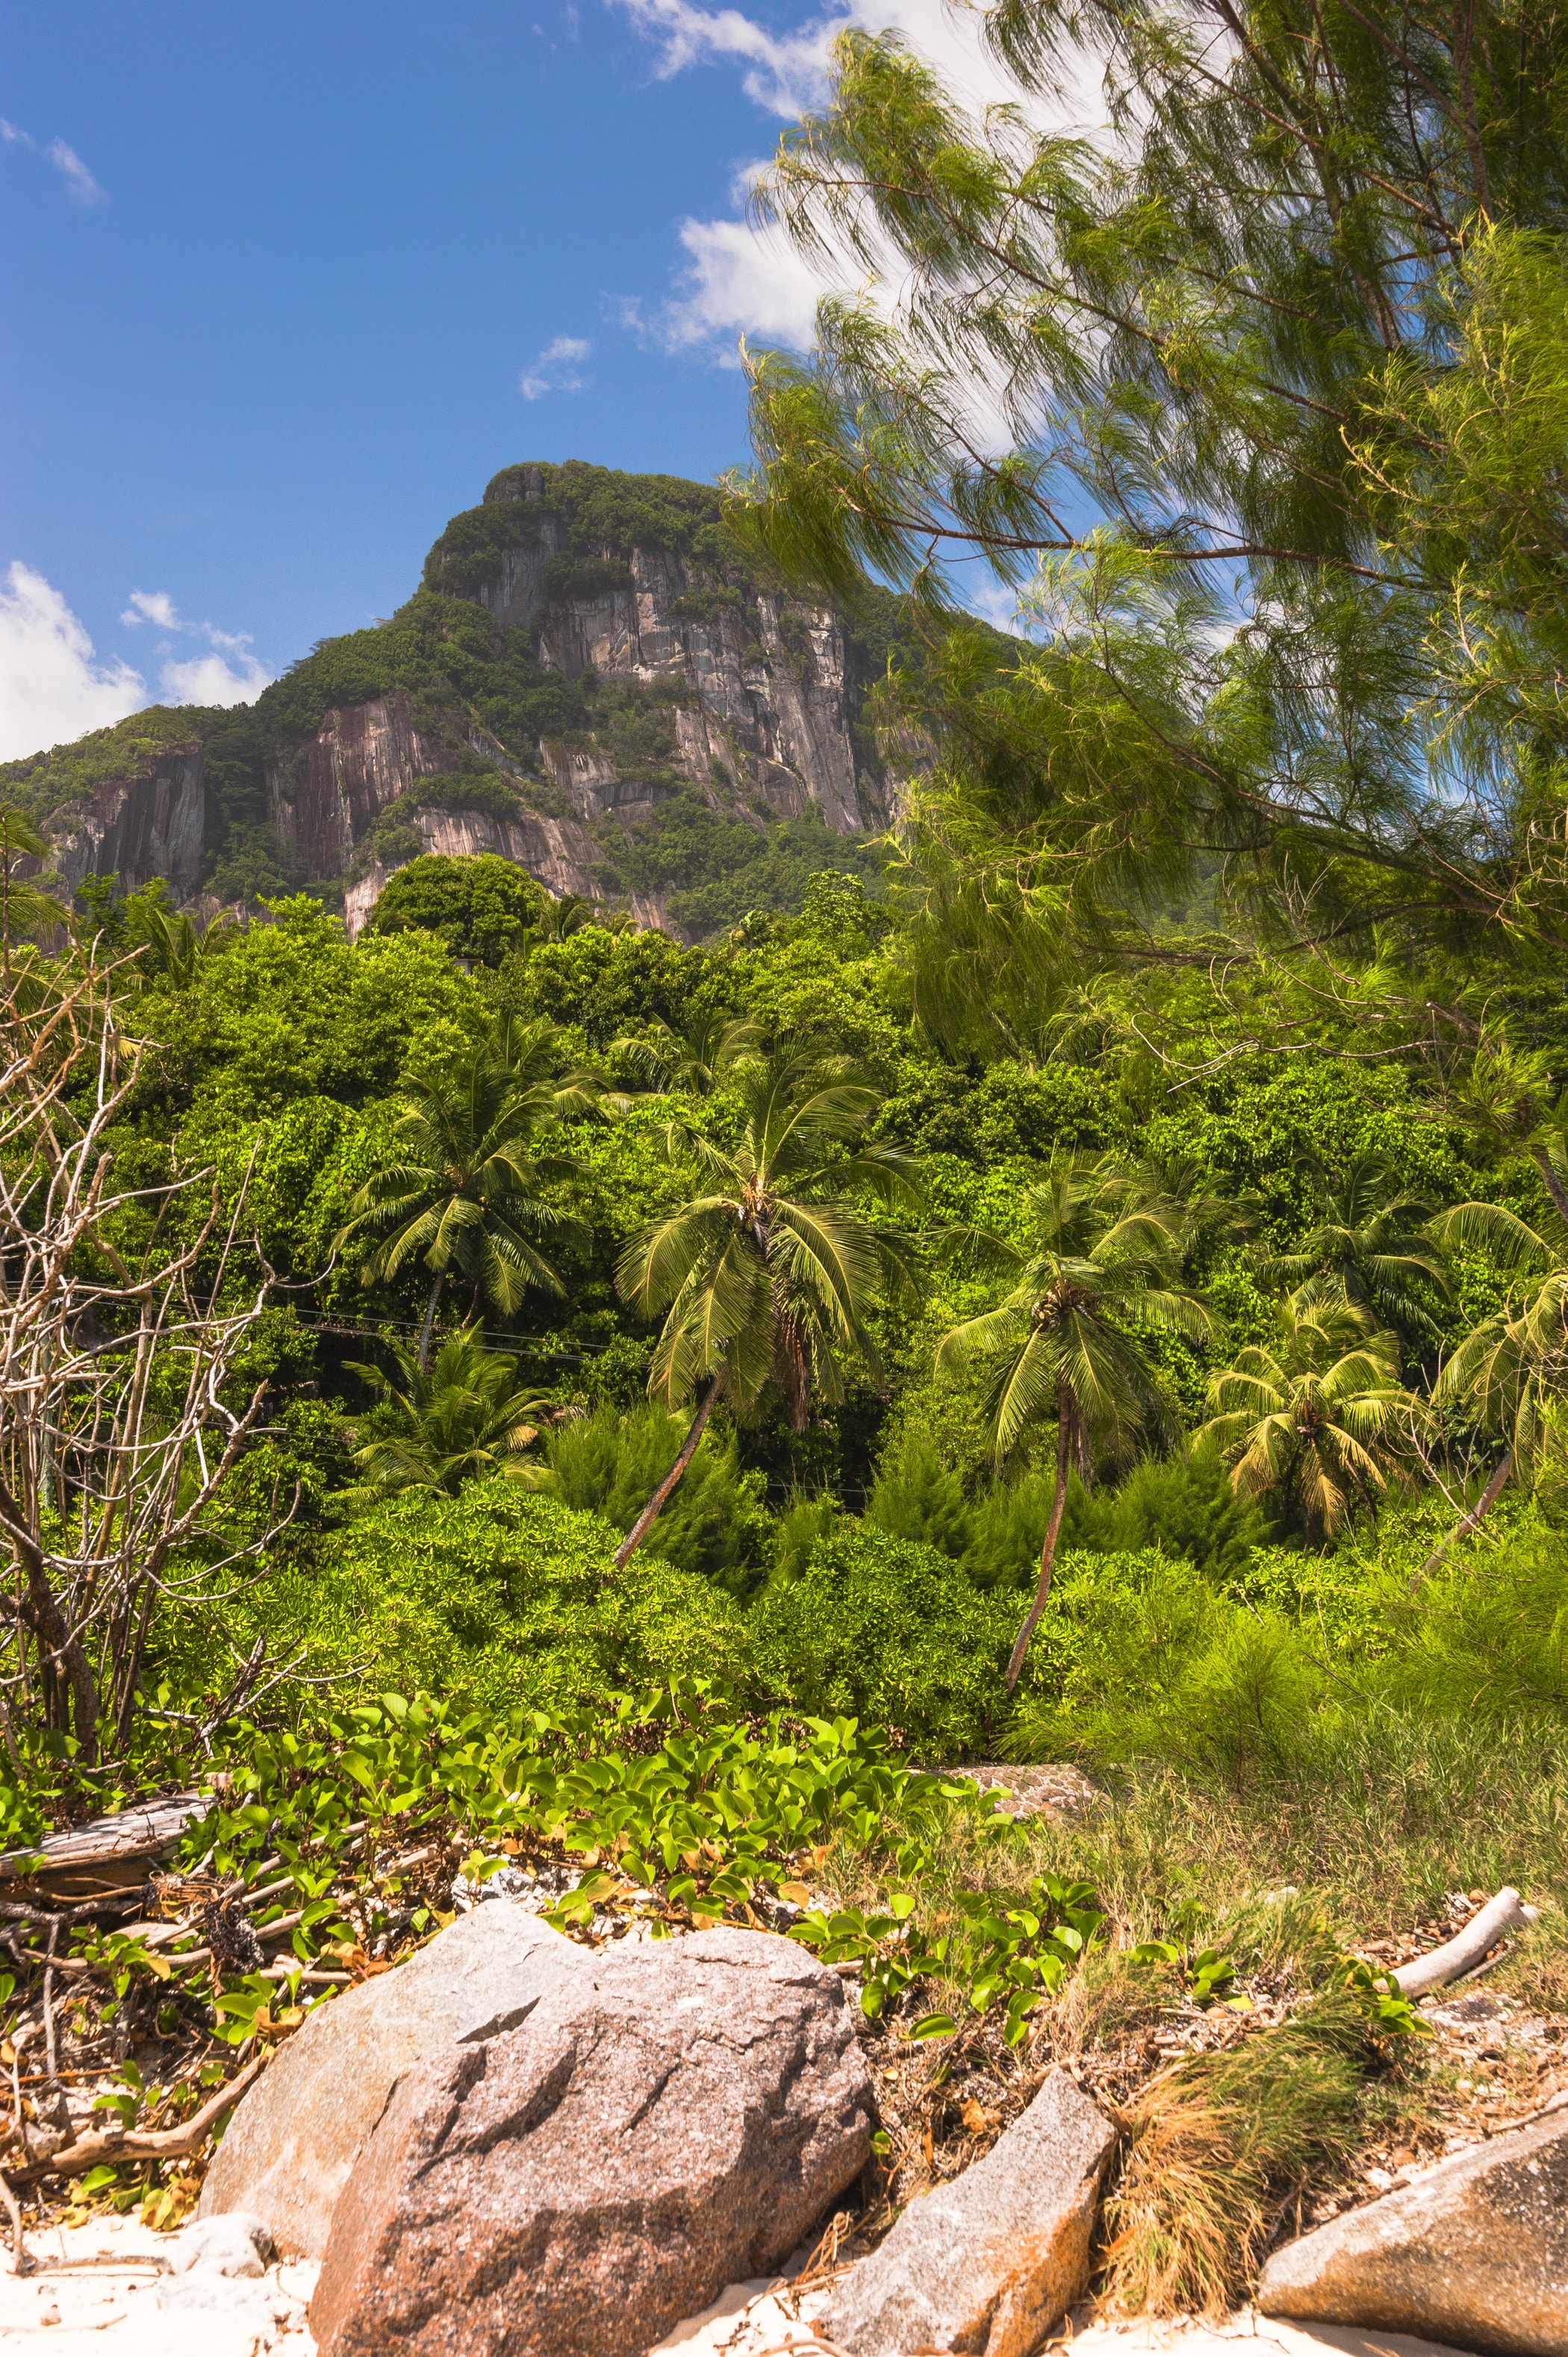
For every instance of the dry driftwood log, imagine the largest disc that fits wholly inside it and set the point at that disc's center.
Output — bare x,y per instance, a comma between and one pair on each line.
99,1856
1506,1912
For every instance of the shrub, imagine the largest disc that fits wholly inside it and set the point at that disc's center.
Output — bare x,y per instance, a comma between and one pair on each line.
1143,1658
715,1522
477,905
1183,1505
892,1633
490,1599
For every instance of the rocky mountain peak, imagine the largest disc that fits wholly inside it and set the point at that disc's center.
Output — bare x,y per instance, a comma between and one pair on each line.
594,681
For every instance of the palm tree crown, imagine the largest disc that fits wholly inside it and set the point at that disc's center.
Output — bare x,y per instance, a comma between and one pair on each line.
467,1416
1317,1416
1370,1246
458,1188
1065,1346
1511,1371
766,1276
695,1061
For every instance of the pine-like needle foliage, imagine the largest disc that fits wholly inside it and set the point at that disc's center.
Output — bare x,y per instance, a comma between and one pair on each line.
1281,368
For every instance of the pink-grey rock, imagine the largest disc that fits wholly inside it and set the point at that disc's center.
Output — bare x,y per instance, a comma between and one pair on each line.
578,2185
991,2262
290,2143
1474,2253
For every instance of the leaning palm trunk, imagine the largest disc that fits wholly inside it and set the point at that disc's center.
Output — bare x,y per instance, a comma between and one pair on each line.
651,1513
1472,1520
1048,1550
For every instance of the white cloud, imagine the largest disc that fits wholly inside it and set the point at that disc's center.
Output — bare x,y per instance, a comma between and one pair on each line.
789,75
154,606
78,180
199,679
784,76
212,678
556,368
52,687
742,279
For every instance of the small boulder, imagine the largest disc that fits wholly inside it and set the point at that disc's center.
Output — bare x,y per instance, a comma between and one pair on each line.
991,2262
674,2124
1474,2253
291,2140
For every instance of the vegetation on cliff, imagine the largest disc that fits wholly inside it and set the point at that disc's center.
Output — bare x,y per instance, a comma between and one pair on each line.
488,703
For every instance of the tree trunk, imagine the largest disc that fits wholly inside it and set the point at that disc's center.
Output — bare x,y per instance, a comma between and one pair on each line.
645,1521
1462,1529
1049,1551
424,1352
63,1669
1550,1179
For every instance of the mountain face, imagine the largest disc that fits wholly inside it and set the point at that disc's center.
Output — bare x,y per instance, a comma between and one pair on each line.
594,681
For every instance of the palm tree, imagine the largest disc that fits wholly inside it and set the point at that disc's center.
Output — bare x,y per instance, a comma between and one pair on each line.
168,938
766,1276
1068,1345
1317,1416
23,908
1367,1247
1501,1099
1179,1187
566,916
467,1416
694,1061
1509,1373
458,1188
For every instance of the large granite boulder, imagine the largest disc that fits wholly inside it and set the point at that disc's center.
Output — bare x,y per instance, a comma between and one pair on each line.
673,2123
991,2262
292,2141
1475,2253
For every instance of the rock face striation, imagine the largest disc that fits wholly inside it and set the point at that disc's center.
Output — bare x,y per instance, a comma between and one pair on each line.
1474,2253
988,2264
150,823
673,2121
633,654
292,2143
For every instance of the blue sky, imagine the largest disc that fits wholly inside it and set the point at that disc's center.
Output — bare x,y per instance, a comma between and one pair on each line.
287,283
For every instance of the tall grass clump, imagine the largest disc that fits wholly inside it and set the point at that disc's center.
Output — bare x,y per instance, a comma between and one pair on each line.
1214,2150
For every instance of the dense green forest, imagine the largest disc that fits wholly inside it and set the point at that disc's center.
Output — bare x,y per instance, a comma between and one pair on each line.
1091,1285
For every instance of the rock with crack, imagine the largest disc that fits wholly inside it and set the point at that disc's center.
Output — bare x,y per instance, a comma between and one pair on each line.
675,2123
1475,2253
991,2262
291,2142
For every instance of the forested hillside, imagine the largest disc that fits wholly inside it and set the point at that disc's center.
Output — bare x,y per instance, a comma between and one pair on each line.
1081,1281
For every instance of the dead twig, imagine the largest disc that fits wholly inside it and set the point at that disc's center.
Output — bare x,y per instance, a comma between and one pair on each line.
114,2145
18,2247
52,2055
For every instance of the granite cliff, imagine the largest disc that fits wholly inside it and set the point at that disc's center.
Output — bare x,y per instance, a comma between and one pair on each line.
594,681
